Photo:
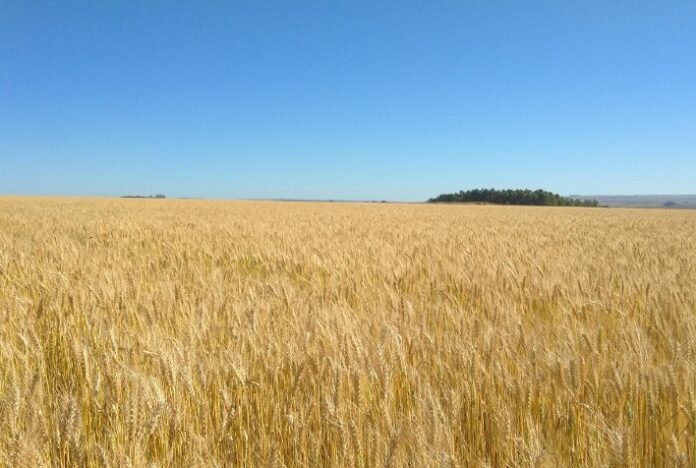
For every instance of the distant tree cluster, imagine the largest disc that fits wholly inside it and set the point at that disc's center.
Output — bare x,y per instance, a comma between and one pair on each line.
511,197
159,195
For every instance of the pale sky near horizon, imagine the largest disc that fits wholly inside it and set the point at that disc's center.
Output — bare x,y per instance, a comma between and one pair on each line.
346,100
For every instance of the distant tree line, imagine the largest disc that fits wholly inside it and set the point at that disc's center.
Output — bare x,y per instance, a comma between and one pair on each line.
159,195
511,197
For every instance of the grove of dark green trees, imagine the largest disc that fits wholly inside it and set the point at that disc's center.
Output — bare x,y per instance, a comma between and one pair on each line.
511,197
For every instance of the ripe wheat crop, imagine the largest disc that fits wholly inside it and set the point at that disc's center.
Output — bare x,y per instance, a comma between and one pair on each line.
200,333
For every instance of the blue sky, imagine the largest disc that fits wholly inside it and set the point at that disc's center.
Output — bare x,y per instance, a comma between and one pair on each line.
353,100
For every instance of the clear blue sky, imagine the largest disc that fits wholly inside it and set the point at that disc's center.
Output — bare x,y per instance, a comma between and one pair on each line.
355,100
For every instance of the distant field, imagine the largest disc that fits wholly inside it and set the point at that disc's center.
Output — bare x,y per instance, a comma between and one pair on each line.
197,333
645,201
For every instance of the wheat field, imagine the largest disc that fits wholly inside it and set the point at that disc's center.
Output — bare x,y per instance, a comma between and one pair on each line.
211,333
